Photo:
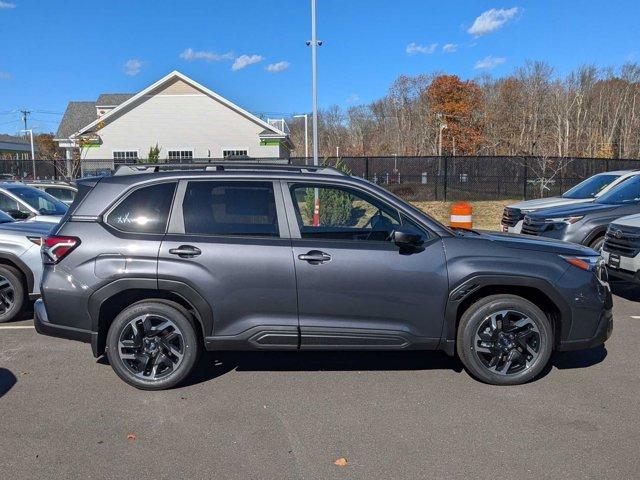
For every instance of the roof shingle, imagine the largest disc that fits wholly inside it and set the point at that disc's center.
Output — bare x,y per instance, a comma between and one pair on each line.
76,116
113,99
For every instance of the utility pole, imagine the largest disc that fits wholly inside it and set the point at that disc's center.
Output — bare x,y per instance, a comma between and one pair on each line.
306,137
25,114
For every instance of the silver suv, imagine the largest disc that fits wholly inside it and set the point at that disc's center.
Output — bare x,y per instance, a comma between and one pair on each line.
20,264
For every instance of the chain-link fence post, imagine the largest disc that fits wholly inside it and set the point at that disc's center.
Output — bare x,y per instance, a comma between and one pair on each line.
525,179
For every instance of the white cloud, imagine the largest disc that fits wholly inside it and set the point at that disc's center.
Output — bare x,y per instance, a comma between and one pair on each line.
190,55
492,20
489,62
414,48
353,98
5,76
450,48
277,67
6,5
245,60
132,67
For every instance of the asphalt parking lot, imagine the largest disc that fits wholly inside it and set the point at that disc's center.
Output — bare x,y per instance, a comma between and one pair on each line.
291,415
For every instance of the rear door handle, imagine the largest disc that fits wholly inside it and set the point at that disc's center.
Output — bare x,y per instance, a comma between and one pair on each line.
315,257
186,251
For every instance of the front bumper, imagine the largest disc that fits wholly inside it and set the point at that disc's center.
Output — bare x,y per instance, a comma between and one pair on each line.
628,268
44,327
602,334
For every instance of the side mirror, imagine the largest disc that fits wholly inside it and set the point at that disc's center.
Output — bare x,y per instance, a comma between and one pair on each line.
403,238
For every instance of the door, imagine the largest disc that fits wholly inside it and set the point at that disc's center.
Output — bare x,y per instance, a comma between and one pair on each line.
356,289
229,242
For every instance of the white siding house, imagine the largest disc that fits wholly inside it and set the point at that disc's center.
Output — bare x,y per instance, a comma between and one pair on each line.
183,118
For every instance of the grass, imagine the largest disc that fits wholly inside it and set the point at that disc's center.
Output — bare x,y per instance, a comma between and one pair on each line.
486,214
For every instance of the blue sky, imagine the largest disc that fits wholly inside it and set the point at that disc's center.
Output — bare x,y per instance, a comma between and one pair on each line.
253,51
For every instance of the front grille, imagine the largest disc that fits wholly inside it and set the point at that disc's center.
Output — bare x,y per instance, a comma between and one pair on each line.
511,216
623,241
533,226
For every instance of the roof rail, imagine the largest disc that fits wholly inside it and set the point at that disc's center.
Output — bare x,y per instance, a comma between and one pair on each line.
224,166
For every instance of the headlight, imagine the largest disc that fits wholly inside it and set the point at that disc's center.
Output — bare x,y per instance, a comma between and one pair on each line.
567,220
588,264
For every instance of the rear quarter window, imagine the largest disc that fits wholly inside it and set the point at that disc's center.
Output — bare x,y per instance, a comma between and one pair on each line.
145,210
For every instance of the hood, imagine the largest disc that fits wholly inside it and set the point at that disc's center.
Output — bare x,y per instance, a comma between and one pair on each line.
572,210
532,205
35,228
540,244
628,221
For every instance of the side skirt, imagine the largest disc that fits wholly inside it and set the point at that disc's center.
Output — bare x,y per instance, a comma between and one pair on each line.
288,338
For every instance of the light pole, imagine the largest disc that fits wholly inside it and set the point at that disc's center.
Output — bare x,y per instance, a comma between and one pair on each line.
33,154
306,136
314,100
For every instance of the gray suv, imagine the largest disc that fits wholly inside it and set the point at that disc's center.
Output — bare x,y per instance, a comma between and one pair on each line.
155,264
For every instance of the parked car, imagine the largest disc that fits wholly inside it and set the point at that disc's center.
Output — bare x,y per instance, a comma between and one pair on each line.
23,202
63,191
586,191
621,249
20,264
586,223
154,265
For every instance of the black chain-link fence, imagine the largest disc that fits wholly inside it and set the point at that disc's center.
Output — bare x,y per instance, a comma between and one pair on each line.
413,178
477,177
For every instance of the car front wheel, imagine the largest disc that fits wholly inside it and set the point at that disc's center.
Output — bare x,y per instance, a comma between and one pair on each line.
152,345
504,340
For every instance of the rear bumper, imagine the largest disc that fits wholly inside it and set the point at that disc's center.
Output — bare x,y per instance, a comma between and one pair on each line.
602,334
43,327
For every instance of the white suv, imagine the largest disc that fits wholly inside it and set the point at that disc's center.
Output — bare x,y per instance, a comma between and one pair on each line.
621,249
586,191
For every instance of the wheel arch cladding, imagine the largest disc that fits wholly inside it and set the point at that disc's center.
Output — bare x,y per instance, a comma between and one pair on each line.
106,306
534,290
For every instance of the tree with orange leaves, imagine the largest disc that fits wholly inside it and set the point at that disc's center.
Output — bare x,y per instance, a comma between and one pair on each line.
459,105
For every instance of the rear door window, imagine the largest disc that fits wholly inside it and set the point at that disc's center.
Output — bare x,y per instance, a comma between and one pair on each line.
230,208
144,210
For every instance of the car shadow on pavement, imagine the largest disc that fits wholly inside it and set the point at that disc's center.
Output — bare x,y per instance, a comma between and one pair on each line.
7,381
216,364
578,358
626,290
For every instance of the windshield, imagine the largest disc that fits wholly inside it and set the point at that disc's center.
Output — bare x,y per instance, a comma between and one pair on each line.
590,187
42,202
5,217
626,192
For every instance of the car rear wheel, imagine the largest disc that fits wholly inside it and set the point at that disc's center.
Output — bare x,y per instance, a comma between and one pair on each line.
504,340
12,298
152,345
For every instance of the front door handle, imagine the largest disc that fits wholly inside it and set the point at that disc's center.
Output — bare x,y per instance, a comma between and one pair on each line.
315,257
186,251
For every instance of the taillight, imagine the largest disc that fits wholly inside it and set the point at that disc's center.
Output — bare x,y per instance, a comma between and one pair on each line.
55,248
36,240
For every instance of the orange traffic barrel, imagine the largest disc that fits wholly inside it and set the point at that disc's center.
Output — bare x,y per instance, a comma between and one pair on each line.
462,215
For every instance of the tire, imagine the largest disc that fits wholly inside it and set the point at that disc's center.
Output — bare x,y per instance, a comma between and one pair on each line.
597,244
12,294
137,343
480,342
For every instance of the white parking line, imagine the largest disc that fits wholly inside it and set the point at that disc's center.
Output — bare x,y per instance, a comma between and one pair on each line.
15,327
635,317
